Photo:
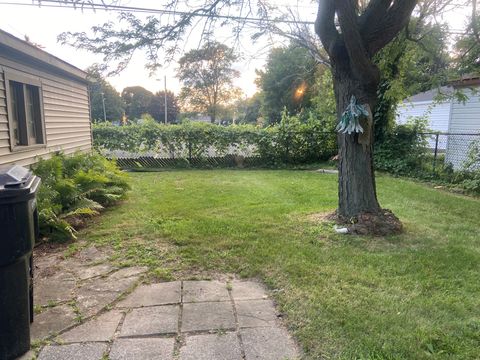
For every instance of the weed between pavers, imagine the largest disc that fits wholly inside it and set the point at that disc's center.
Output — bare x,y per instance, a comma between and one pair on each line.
76,310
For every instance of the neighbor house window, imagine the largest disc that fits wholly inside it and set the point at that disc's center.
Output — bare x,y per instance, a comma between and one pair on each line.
25,111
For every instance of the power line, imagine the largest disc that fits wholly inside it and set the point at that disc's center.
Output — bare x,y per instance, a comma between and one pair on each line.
134,9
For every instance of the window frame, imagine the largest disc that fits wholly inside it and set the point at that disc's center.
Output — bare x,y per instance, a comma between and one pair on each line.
24,79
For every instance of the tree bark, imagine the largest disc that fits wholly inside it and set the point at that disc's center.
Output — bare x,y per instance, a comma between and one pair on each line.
351,46
356,181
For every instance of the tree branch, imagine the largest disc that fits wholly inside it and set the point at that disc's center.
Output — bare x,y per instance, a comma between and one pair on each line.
389,26
474,20
375,10
360,61
325,24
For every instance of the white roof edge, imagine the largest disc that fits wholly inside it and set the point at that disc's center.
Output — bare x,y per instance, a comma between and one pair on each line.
38,54
412,103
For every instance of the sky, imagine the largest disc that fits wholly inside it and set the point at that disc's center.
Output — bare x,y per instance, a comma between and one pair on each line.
42,25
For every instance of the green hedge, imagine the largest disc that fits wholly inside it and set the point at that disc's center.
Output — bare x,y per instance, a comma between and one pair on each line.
290,142
73,189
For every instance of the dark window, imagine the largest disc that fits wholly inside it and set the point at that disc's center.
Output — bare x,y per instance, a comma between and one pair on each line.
25,114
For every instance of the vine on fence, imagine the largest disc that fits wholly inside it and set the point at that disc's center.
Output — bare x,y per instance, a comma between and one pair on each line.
291,141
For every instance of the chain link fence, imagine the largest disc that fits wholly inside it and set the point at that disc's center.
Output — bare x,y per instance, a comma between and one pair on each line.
457,150
264,149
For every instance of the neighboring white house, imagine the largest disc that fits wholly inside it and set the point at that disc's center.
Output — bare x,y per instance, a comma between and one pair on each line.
459,119
426,105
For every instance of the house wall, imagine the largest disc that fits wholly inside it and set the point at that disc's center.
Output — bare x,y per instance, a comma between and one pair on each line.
466,116
438,115
465,119
66,115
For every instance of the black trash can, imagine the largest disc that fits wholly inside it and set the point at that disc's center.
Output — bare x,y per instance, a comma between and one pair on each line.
18,231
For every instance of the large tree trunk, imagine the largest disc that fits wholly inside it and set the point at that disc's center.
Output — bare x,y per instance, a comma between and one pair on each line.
351,36
356,181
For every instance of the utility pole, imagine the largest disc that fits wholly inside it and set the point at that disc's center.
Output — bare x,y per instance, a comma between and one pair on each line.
104,111
165,79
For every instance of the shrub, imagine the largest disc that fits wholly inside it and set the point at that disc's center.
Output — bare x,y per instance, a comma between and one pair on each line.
468,179
403,150
73,189
291,141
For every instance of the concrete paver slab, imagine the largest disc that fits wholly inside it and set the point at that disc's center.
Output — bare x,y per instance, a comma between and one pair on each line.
151,321
46,265
143,349
154,294
99,329
56,288
91,302
152,315
129,271
87,351
270,343
208,316
91,255
197,291
52,321
255,313
247,290
95,294
109,284
84,273
211,347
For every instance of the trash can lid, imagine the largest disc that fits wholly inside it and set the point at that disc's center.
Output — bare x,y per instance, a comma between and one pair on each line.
14,178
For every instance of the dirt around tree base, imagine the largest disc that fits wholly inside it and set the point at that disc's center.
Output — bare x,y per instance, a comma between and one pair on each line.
382,223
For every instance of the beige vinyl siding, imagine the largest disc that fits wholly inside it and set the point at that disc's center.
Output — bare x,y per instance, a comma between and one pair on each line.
66,115
4,135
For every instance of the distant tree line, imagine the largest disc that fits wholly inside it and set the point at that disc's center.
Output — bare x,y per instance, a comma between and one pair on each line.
417,60
133,102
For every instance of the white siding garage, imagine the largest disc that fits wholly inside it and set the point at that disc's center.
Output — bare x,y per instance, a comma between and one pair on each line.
465,119
437,115
460,120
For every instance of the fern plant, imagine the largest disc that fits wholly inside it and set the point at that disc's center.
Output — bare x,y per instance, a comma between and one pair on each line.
75,188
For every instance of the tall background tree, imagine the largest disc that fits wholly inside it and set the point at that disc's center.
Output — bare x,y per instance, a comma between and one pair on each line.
207,77
467,47
100,90
287,81
137,101
248,110
416,60
156,107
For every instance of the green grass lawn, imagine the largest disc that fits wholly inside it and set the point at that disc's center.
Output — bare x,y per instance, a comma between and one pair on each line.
413,296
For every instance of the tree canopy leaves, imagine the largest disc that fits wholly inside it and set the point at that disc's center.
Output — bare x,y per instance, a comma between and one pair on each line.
137,100
101,90
157,107
287,81
207,77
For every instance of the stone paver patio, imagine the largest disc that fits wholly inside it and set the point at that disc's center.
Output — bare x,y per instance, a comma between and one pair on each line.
89,312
